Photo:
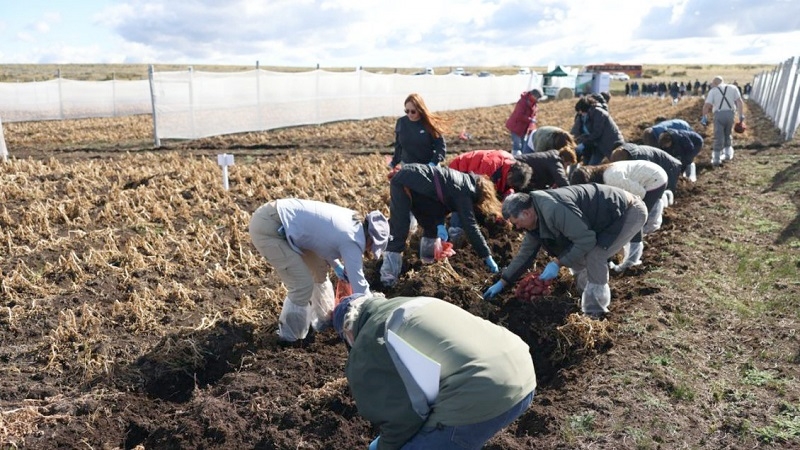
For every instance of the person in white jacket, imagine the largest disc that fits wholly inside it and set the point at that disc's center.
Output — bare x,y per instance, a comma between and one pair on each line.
301,239
645,179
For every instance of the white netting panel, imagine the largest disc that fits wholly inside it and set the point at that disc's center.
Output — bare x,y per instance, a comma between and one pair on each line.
70,99
191,104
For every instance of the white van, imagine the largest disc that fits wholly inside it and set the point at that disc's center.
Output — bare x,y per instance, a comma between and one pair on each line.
459,71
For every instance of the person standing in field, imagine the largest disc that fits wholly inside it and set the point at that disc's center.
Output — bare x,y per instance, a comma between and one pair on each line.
582,227
301,239
522,120
485,378
724,100
419,135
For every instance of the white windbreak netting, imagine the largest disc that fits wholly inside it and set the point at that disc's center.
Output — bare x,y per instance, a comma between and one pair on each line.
192,104
70,99
3,148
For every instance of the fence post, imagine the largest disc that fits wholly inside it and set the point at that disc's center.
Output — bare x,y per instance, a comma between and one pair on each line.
151,75
60,97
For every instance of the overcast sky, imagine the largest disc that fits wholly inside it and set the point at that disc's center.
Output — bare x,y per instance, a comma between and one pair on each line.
408,33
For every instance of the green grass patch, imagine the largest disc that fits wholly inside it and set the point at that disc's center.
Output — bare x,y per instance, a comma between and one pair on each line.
785,427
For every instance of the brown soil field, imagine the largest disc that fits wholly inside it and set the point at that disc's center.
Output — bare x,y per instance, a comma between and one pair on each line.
136,313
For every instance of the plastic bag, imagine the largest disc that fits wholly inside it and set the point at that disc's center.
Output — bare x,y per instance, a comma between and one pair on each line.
343,289
427,249
444,251
322,304
293,321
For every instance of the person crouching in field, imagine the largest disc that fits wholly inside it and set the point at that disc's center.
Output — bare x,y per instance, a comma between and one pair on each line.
651,134
684,145
507,173
549,167
474,386
644,179
595,131
431,193
582,226
547,138
301,239
670,164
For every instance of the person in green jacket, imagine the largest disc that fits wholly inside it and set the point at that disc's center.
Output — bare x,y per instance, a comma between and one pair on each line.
485,379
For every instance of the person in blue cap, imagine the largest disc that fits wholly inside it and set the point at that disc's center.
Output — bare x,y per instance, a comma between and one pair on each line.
485,381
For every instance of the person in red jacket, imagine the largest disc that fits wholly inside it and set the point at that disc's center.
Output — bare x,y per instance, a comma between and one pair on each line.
500,166
507,174
523,119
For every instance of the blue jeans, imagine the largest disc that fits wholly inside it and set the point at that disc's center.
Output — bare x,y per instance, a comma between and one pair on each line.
517,144
471,436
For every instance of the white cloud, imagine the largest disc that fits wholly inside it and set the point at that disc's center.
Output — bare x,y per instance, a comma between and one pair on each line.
414,33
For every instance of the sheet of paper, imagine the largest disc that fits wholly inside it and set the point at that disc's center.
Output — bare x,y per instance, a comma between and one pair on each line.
425,371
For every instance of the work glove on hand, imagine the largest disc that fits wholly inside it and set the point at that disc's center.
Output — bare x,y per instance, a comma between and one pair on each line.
441,231
340,273
493,290
374,444
579,149
433,164
704,120
550,271
741,117
491,264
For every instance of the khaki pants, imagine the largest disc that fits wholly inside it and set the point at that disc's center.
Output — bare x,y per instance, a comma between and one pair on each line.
299,272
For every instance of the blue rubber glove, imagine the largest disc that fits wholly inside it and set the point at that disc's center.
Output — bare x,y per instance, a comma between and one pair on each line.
374,444
441,231
550,271
340,273
493,290
741,117
433,164
579,149
491,264
704,120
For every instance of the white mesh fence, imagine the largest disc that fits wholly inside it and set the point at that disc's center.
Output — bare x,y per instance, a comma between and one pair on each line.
70,99
3,148
192,104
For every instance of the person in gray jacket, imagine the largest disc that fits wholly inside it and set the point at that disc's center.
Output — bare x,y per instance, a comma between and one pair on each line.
582,226
486,377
